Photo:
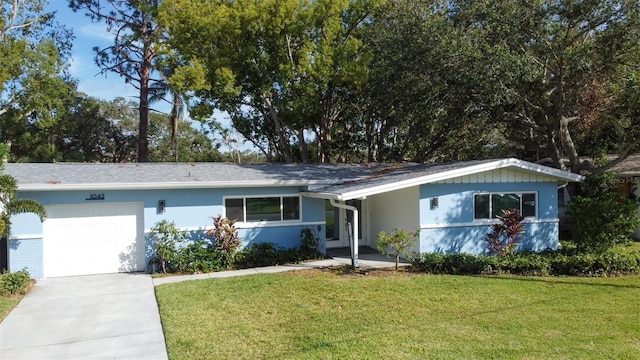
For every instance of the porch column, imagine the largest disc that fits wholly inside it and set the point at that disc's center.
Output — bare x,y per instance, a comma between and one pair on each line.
353,243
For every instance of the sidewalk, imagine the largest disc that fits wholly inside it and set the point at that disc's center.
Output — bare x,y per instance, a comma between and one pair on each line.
366,261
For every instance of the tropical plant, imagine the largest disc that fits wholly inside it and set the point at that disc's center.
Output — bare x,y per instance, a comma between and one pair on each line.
11,205
503,238
397,243
224,234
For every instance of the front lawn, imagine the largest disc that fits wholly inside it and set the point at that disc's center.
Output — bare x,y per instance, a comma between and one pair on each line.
7,303
325,315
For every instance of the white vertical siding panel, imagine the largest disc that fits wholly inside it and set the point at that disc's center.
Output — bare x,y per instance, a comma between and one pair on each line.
496,176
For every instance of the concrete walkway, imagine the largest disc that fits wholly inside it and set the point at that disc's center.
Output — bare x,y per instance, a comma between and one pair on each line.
366,261
113,316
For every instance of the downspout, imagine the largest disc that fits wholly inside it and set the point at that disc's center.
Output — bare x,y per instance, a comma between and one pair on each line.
353,244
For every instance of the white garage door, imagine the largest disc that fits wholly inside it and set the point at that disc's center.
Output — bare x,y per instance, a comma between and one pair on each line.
93,239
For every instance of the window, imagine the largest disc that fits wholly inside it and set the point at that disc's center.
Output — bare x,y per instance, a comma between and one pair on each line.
490,205
267,208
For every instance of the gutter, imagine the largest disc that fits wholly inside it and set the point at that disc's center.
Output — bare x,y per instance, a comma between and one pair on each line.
353,242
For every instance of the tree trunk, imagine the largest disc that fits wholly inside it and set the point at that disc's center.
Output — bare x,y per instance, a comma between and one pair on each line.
304,151
145,75
282,138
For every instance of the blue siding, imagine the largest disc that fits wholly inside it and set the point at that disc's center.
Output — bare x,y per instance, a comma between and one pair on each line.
189,208
451,227
470,239
26,253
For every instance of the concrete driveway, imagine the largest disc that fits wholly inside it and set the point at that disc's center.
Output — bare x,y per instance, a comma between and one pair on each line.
113,316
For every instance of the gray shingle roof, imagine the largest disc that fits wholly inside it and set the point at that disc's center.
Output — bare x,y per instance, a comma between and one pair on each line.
323,178
59,175
399,173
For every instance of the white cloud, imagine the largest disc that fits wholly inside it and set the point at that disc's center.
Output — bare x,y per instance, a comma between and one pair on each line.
97,31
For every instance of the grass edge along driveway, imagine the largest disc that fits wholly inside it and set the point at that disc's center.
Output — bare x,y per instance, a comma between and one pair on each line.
318,314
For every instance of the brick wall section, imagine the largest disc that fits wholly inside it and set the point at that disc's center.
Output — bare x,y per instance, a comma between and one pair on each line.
26,253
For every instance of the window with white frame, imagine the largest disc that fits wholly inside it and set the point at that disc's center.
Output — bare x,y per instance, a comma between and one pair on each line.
490,205
264,208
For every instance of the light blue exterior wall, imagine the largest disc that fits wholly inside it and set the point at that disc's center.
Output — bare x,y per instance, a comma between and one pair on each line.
190,209
451,227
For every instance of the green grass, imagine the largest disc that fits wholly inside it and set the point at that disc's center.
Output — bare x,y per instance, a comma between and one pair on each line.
7,303
321,315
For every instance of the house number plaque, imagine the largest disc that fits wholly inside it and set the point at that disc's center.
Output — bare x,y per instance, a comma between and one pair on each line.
95,197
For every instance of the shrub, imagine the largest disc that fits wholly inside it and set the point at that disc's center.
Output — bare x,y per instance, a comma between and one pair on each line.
502,240
17,282
310,243
165,239
603,217
198,257
615,262
397,243
261,254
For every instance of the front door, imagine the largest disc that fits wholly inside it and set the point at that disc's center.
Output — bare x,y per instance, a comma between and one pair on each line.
337,231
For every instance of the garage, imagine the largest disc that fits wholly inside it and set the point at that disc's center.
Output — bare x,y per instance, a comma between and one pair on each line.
93,239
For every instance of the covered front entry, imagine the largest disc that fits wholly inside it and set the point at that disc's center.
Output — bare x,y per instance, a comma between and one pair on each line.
93,239
337,231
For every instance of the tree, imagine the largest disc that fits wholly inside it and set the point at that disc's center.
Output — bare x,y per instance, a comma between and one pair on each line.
192,144
33,79
278,67
397,243
561,73
97,130
426,96
133,53
603,216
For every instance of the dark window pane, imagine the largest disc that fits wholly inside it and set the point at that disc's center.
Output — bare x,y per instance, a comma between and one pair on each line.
501,202
331,216
481,206
291,208
263,209
529,204
234,209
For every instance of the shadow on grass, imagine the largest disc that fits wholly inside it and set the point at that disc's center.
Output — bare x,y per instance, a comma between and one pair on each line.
566,280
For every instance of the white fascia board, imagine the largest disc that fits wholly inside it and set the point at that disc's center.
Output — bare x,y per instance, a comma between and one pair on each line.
168,185
321,195
545,170
469,170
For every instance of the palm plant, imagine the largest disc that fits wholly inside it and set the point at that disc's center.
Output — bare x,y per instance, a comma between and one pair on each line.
11,205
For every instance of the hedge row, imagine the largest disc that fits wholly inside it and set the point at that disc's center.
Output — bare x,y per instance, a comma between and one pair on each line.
612,263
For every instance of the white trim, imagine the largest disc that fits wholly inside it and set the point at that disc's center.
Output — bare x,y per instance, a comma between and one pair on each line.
445,175
287,223
485,222
27,237
240,225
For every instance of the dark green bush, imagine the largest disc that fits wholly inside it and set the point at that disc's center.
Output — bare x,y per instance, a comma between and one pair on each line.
310,243
17,282
261,254
615,262
603,217
198,257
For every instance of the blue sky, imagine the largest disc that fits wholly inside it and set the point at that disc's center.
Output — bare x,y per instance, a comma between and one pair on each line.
82,66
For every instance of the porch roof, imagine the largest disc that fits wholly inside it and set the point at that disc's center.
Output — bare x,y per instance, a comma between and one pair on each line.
400,177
